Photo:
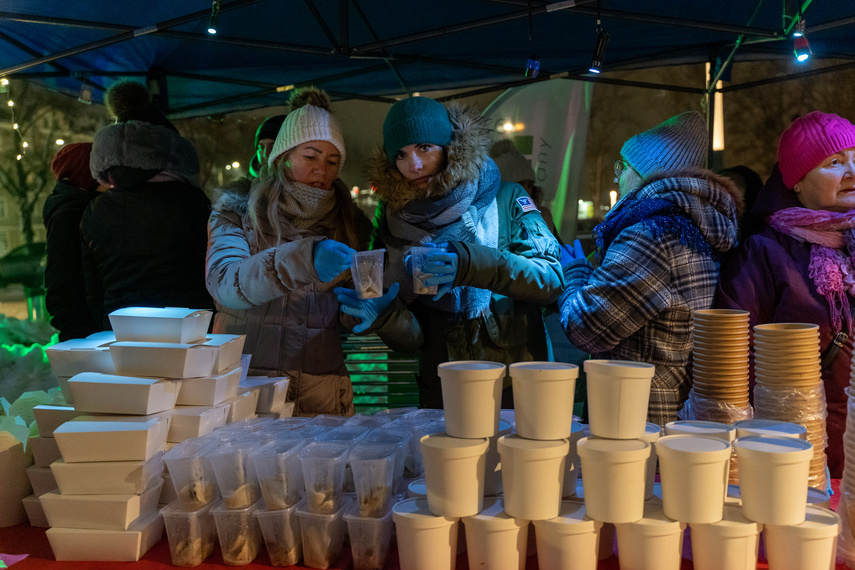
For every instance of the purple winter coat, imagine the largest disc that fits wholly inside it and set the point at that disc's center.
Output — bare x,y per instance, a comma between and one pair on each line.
767,275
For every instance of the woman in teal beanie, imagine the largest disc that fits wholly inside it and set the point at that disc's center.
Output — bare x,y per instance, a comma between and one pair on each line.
438,186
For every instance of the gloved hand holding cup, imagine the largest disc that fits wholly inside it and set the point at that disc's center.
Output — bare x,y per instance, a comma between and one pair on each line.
418,256
367,269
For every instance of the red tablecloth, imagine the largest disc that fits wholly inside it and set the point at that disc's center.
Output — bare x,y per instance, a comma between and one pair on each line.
24,539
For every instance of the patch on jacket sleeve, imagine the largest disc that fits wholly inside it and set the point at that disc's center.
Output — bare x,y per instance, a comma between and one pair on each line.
527,204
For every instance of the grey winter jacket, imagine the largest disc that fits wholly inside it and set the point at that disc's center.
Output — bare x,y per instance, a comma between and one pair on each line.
291,319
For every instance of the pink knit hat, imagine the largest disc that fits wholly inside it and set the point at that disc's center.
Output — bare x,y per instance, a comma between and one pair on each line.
809,141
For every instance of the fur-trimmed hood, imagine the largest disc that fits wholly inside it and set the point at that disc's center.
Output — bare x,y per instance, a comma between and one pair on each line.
232,197
465,154
711,201
143,146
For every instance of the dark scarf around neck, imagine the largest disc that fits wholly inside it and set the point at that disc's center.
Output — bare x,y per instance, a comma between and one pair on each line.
658,216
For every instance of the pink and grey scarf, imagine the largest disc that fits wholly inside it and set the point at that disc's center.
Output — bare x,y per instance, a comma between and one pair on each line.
832,255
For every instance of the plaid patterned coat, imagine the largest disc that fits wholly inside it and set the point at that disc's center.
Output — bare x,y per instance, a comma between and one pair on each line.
637,305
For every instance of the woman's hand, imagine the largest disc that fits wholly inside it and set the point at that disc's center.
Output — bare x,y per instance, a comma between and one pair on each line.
366,310
442,266
331,259
569,254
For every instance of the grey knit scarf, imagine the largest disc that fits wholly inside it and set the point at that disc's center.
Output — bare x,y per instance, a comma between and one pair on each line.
468,213
305,205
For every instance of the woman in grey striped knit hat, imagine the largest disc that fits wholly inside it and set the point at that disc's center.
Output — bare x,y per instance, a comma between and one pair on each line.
658,252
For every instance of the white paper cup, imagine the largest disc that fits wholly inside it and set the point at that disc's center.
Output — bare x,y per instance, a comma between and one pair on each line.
774,428
417,489
729,544
694,472
493,467
494,539
454,474
618,396
367,270
471,396
568,541
812,544
773,478
652,432
652,542
571,463
613,478
543,398
425,541
532,476
701,428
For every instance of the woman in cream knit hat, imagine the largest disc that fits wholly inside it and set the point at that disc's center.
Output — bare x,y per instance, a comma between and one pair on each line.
276,249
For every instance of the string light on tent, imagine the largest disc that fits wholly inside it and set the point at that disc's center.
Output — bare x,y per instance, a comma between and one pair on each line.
6,87
215,17
801,45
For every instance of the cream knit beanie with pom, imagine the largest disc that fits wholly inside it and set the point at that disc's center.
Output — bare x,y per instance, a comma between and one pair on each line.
310,120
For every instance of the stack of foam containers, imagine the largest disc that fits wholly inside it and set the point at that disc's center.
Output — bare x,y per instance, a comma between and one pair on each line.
105,452
272,396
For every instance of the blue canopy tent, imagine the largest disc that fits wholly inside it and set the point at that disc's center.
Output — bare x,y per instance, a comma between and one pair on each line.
377,49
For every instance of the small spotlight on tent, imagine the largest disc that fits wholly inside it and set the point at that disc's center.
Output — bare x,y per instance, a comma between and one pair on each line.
801,45
85,95
215,17
599,50
801,48
532,66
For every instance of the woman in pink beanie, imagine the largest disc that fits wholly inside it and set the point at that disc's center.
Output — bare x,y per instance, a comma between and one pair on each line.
800,266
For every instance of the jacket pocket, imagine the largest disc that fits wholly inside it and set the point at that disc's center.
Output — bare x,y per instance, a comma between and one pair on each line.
507,328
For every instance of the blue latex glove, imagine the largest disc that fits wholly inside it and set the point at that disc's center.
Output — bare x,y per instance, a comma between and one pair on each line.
442,266
331,258
364,309
408,259
569,254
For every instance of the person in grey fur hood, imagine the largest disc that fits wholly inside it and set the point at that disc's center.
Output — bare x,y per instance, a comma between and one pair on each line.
496,264
144,238
276,248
